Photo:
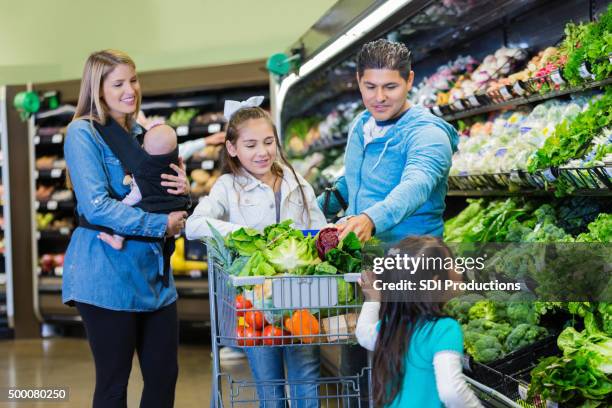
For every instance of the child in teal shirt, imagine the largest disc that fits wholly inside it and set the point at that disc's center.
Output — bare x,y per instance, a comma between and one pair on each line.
417,350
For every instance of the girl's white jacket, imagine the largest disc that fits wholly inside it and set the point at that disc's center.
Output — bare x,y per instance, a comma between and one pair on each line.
244,201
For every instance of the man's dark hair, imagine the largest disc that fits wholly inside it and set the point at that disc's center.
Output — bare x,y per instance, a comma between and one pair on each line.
384,54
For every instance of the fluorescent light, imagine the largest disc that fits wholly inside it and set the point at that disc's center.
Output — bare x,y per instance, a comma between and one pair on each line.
360,29
371,21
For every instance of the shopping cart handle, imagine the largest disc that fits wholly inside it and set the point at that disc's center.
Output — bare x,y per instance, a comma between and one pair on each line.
247,280
352,277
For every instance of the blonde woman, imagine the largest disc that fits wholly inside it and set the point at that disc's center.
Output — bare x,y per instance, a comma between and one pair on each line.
122,296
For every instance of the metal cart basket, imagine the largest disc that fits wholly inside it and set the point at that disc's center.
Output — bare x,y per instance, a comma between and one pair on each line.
304,311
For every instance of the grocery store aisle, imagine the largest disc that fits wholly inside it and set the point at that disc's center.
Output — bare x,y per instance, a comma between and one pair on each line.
67,362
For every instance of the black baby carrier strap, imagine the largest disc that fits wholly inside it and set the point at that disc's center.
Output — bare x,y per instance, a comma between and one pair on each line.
131,155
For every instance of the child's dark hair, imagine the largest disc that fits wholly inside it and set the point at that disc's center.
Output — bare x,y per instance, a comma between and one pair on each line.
399,320
232,165
384,54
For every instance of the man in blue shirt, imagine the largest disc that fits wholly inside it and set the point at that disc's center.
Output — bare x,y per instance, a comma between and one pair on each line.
397,156
396,163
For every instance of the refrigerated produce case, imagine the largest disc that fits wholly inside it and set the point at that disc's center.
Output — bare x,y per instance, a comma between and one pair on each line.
508,76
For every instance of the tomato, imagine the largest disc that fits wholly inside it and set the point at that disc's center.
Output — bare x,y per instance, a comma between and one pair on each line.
255,319
242,303
252,337
240,335
273,331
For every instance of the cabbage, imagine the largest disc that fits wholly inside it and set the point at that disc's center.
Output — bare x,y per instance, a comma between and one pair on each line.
291,254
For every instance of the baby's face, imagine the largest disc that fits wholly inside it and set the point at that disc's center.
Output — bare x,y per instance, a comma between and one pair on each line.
161,139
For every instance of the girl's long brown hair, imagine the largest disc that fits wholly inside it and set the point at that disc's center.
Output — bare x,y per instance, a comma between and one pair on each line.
232,165
400,320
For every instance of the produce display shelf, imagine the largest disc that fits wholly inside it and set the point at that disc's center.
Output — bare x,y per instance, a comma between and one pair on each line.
525,100
52,205
341,87
204,164
62,234
45,140
49,174
532,192
66,110
319,147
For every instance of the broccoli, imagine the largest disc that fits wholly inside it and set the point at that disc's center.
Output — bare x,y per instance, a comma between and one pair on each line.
482,347
487,309
484,326
523,335
458,307
522,312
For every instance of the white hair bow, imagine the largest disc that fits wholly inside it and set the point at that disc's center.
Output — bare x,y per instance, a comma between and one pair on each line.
231,107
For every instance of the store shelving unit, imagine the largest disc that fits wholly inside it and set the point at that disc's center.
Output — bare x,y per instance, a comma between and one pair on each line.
5,272
438,32
203,90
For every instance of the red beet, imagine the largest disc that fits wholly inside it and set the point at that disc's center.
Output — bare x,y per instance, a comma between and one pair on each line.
326,241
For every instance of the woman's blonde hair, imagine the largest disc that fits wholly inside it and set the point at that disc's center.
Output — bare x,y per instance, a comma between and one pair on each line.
98,65
90,105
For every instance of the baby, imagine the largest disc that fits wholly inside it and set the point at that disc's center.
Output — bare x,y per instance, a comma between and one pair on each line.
160,143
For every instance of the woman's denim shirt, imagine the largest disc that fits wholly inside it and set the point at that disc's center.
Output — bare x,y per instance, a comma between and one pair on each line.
94,273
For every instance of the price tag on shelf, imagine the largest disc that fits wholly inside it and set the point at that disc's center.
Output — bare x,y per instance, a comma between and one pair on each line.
522,391
505,92
518,89
214,128
51,205
473,101
514,176
36,205
58,270
195,273
37,235
182,130
64,231
36,139
56,173
35,174
584,72
466,362
207,164
458,105
548,174
557,78
57,138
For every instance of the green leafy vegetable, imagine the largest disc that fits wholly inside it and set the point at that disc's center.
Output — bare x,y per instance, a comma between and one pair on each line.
245,241
572,138
523,335
291,254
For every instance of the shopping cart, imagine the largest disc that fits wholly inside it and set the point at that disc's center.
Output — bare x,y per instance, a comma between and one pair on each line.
305,311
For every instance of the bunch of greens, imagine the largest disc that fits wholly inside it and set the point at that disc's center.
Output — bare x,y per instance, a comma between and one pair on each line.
599,230
582,376
485,223
571,382
591,43
181,117
283,249
571,138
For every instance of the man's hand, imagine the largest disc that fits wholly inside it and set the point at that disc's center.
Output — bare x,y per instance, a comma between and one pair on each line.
360,224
